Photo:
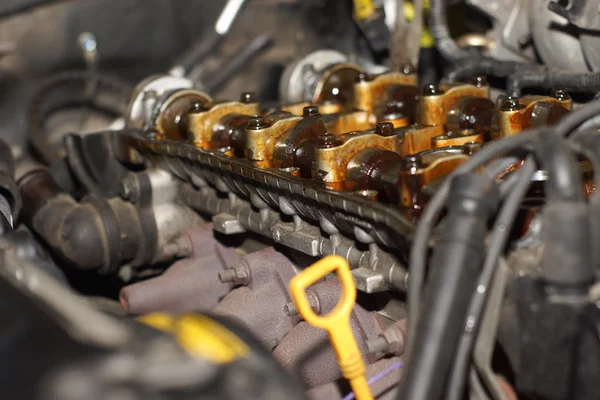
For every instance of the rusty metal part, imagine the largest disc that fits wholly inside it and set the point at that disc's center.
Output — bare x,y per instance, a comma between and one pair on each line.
436,103
261,140
376,170
337,85
307,353
324,108
399,101
515,115
259,302
187,285
371,91
423,169
172,121
231,132
297,147
475,113
352,121
204,122
331,162
458,138
417,138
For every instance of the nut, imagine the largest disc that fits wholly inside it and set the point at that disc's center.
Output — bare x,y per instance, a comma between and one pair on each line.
384,128
311,112
326,141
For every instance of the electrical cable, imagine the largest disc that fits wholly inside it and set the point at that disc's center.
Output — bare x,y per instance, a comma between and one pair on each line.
564,182
501,234
499,239
576,118
544,79
438,25
486,66
376,378
418,254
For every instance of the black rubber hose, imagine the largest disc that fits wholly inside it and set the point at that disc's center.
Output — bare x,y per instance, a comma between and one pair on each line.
564,181
95,234
584,83
455,266
485,66
67,90
418,254
589,145
499,238
438,24
576,118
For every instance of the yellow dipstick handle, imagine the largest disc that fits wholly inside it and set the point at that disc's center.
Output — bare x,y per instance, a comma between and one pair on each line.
336,322
363,9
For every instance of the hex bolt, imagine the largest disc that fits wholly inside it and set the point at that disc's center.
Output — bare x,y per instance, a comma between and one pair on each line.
384,128
407,68
391,341
310,112
236,275
290,308
430,90
248,97
326,141
181,247
256,123
511,105
561,94
412,162
479,81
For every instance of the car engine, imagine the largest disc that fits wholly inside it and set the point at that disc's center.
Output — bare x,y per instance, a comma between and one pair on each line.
302,199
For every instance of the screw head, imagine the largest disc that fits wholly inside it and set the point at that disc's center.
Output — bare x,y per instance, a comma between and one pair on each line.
256,123
248,97
384,128
311,112
430,90
511,105
326,141
479,81
561,94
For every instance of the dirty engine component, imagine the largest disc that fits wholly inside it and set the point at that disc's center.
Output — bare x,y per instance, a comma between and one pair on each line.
316,200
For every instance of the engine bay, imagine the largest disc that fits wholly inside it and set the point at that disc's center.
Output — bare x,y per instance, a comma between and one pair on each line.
299,199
